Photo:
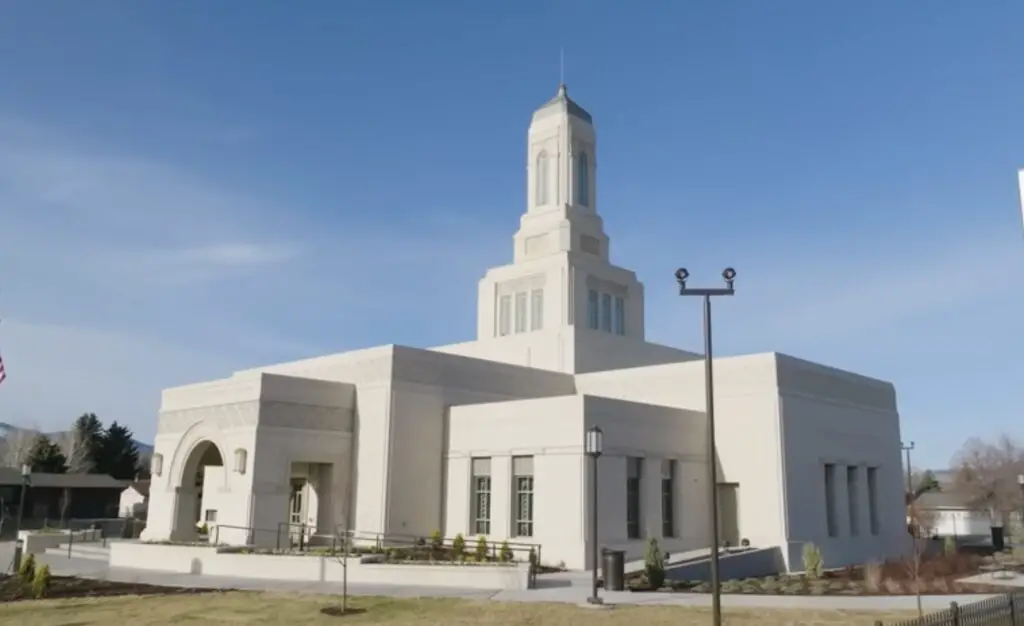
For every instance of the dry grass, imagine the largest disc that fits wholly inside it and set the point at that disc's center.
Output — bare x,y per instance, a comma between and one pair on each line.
261,608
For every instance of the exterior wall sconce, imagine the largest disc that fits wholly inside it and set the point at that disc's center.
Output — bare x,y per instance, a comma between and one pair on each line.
241,457
156,464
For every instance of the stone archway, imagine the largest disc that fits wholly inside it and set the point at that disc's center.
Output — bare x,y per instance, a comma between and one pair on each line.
189,490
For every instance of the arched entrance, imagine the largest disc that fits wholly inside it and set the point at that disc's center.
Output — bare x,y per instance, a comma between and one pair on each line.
188,511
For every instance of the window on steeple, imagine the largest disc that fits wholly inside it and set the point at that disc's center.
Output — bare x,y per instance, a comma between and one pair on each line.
540,176
582,180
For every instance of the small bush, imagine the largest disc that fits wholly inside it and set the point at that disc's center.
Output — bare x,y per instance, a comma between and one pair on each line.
481,549
436,542
41,582
949,546
814,567
27,571
459,545
654,564
506,552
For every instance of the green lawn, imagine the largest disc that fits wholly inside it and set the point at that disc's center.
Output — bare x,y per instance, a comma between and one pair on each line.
263,608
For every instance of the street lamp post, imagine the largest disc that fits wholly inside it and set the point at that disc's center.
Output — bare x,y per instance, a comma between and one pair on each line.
729,275
1020,525
593,446
26,479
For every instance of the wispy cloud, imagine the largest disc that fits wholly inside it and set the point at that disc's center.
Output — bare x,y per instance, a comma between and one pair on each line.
121,275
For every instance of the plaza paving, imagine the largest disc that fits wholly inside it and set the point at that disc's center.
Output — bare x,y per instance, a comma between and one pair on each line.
565,587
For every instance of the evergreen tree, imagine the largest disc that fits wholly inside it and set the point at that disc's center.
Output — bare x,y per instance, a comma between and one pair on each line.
87,437
118,455
45,456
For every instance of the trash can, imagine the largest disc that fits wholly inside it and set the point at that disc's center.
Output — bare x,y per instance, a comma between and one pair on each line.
614,570
998,538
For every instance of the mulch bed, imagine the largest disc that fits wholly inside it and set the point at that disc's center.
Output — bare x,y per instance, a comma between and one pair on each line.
938,575
11,589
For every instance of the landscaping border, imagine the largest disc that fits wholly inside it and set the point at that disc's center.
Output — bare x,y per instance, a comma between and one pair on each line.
333,569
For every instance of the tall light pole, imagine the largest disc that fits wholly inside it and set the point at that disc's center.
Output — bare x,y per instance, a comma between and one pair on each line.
729,275
1020,525
914,526
593,446
26,479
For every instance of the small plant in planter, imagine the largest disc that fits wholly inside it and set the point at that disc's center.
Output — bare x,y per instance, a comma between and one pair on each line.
27,571
949,546
506,552
654,565
814,566
436,544
481,549
458,547
41,582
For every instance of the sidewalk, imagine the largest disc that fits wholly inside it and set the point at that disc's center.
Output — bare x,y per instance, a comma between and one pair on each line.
570,588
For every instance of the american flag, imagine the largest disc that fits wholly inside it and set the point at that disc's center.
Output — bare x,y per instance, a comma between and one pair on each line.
3,374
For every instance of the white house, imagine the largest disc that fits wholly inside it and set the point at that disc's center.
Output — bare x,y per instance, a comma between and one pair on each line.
485,437
134,499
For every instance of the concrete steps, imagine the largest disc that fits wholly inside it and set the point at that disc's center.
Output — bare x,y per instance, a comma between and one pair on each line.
88,551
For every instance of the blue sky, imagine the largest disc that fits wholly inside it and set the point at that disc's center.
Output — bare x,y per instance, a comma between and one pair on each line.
188,188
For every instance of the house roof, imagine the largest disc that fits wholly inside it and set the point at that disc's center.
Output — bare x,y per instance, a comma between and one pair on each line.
950,499
10,476
142,486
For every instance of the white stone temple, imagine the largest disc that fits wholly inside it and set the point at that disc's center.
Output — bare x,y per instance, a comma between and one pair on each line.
486,437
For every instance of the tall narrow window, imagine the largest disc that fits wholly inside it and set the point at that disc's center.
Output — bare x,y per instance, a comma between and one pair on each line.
606,312
592,312
668,487
582,180
504,315
873,499
481,496
830,500
620,315
634,472
522,485
521,312
851,499
537,309
540,177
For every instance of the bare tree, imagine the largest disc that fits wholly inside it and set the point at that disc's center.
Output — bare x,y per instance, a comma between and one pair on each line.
15,447
65,504
986,473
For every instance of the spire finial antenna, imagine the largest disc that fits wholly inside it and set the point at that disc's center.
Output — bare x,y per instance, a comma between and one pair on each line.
561,67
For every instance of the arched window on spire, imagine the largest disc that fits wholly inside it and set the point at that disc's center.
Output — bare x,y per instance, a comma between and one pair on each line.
540,177
582,180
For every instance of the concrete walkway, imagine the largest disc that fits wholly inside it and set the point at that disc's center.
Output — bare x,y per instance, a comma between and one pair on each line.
568,587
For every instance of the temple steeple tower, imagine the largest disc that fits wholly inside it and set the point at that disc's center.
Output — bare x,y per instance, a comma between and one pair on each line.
560,304
561,206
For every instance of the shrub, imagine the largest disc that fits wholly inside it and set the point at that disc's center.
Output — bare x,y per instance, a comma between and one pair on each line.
459,545
949,546
481,549
27,571
654,564
41,582
436,542
873,577
203,529
506,552
814,567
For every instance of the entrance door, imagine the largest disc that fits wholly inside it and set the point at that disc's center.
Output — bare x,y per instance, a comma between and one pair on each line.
297,512
728,513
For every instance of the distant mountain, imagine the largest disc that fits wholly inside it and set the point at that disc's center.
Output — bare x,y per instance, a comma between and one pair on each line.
61,437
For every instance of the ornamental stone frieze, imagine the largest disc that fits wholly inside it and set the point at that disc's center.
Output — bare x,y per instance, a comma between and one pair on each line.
222,417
